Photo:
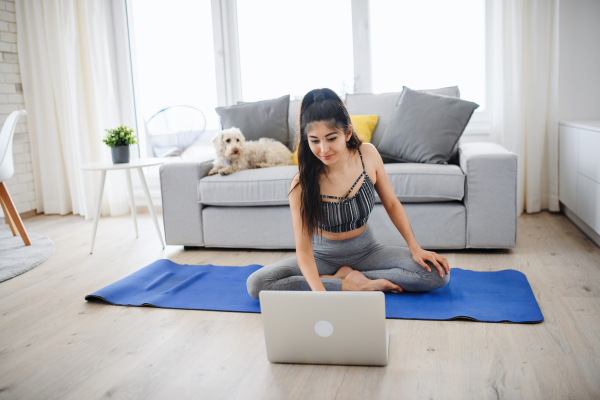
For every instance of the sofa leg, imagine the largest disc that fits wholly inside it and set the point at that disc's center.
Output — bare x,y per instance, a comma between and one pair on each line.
193,247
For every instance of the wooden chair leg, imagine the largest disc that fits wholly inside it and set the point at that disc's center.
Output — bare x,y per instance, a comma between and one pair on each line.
9,220
10,206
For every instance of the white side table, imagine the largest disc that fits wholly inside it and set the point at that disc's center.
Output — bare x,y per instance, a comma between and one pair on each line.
137,164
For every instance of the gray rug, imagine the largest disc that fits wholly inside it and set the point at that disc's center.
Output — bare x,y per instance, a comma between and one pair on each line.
16,258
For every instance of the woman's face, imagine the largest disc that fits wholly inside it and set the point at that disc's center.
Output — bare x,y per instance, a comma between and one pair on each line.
328,144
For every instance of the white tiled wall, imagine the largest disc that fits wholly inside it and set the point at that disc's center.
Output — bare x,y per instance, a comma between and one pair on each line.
20,186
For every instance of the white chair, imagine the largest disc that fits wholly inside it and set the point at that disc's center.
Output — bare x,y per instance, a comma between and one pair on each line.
173,129
7,170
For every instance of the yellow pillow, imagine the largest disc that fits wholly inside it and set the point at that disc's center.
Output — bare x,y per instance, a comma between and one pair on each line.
364,125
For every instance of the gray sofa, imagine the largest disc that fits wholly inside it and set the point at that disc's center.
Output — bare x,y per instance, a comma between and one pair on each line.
468,203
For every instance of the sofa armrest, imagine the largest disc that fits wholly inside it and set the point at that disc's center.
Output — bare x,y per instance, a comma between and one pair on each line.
490,195
182,211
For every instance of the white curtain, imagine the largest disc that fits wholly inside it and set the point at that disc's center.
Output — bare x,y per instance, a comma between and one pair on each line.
525,96
74,68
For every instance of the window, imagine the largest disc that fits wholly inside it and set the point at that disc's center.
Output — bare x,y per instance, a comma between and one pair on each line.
173,49
429,44
294,47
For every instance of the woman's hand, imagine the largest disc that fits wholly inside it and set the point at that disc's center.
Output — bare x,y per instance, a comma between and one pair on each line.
420,256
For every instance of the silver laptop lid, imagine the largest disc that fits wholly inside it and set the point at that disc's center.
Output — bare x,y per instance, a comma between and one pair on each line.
345,328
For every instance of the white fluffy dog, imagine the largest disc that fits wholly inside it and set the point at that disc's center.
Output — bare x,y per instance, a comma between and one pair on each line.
234,153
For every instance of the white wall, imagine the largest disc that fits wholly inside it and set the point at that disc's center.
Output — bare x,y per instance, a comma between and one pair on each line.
579,63
20,186
579,59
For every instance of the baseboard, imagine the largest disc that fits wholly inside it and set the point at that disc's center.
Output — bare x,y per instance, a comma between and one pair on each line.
578,222
25,215
141,209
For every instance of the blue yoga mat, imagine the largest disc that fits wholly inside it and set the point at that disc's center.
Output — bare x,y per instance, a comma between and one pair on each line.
501,296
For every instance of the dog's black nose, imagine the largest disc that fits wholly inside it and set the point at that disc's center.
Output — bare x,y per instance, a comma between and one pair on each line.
235,152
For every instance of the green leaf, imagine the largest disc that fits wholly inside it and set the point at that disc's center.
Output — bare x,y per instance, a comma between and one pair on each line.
121,136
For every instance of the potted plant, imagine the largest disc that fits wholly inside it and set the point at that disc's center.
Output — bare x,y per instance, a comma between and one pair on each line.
119,140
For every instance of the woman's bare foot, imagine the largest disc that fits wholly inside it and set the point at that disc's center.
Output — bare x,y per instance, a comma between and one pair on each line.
340,274
356,281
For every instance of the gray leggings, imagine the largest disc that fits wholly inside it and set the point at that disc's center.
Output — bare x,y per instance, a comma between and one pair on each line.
361,253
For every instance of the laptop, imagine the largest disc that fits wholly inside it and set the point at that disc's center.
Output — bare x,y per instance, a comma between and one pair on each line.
341,328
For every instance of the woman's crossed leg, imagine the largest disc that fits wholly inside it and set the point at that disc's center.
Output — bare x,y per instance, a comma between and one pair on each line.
396,264
383,268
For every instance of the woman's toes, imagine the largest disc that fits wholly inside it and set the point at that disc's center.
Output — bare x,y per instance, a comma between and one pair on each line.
397,289
384,285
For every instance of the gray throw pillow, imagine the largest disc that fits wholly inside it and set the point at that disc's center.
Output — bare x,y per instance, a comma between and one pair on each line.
384,105
267,118
451,91
425,127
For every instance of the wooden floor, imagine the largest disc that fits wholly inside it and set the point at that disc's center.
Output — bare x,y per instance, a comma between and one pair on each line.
54,344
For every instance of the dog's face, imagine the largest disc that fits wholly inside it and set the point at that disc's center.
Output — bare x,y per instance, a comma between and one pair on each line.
229,143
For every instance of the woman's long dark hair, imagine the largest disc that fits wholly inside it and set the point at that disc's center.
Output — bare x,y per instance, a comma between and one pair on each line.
318,105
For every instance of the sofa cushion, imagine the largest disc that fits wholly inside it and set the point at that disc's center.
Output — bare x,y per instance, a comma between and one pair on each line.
412,183
425,183
251,187
267,118
364,125
425,127
384,105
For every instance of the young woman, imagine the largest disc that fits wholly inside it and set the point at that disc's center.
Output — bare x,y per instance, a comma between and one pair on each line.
335,246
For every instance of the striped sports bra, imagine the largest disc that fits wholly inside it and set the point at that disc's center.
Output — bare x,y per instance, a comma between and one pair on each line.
349,214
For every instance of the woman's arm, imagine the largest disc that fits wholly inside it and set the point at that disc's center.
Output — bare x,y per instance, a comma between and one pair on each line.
398,215
400,219
304,249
